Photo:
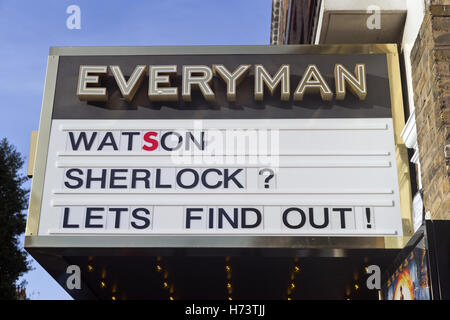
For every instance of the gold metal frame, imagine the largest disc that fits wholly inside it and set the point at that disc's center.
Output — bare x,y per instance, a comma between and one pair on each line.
155,241
404,177
40,158
32,153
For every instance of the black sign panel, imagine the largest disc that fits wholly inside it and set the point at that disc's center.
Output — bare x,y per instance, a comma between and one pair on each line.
375,105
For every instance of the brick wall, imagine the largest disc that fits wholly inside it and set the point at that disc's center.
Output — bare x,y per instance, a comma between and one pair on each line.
278,21
430,59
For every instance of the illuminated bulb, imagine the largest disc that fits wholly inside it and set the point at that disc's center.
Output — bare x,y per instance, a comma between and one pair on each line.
228,268
366,269
158,268
165,284
356,287
228,285
289,298
102,284
104,273
296,269
171,298
113,298
292,285
90,268
230,298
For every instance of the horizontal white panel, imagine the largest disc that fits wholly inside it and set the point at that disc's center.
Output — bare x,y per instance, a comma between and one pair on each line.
284,179
316,162
208,142
229,219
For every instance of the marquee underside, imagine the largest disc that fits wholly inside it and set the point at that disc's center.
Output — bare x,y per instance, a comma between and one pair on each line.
201,273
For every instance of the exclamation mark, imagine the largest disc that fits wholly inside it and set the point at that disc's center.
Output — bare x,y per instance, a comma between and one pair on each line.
369,224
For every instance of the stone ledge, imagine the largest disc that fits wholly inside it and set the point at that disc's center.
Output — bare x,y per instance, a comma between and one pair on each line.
440,10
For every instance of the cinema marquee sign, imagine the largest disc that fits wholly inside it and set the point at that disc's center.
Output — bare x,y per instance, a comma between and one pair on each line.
254,141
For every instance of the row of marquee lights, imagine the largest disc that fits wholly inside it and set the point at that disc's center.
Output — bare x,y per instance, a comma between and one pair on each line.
200,77
354,289
103,283
167,285
228,286
159,268
291,283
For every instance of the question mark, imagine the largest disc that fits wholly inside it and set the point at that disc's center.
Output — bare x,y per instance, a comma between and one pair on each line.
270,176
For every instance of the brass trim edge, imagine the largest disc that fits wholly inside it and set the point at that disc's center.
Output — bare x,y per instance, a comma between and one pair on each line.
37,186
32,153
207,50
402,162
76,243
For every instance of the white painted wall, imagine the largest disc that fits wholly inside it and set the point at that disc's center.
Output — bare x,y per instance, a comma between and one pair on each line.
363,4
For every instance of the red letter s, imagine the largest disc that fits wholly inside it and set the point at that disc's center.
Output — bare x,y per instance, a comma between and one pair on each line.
153,142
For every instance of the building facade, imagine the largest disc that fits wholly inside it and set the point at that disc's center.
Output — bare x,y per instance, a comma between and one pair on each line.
421,30
96,214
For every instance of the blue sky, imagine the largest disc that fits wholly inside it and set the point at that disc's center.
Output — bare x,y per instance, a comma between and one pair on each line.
29,28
